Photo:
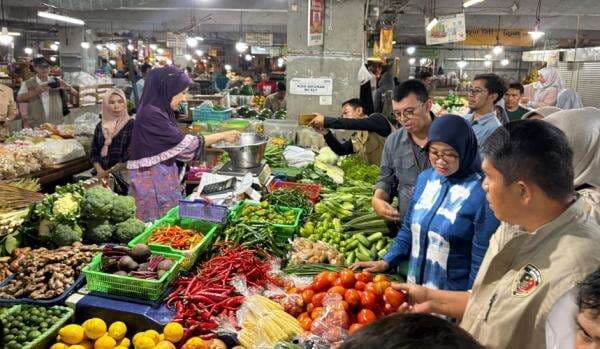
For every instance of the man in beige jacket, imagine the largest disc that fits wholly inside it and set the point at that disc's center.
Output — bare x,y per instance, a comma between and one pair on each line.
524,295
8,110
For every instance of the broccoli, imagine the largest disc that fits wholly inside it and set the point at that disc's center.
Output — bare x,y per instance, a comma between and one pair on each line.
66,234
128,229
123,208
98,232
97,203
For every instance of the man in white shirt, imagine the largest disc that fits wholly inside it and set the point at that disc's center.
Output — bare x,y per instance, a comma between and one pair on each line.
43,96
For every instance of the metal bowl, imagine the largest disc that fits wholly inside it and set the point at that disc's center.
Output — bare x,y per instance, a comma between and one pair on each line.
248,152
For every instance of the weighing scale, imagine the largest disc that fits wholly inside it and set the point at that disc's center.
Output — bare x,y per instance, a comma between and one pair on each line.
262,172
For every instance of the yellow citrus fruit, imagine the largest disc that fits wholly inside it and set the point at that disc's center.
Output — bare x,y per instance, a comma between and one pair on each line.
94,328
194,343
136,337
125,342
152,334
117,330
120,347
161,337
144,342
87,344
76,346
173,332
165,345
71,334
105,342
59,346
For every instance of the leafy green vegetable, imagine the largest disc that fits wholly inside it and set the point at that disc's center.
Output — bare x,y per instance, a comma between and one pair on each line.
123,208
127,230
355,168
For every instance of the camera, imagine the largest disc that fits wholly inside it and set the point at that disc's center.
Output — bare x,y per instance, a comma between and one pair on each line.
54,83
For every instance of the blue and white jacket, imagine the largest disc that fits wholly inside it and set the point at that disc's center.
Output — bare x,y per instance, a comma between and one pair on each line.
446,232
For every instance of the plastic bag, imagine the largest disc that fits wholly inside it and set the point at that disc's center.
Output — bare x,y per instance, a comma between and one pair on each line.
364,75
332,325
298,157
85,124
62,150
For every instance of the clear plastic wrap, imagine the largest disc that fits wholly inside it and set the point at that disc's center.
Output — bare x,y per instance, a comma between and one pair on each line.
333,322
86,123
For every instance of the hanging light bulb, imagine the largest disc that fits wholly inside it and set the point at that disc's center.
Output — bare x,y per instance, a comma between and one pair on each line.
199,53
227,67
28,50
188,57
5,39
192,42
85,45
487,63
411,61
99,47
280,62
130,47
54,47
462,63
411,50
160,51
241,46
248,57
498,49
504,62
53,59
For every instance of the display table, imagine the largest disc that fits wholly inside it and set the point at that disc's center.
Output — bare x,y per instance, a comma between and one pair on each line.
60,171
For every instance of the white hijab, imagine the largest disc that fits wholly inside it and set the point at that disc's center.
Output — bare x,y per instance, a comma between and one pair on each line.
582,128
551,77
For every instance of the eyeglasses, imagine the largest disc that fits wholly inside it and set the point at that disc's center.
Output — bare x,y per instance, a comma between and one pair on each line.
476,91
408,113
447,157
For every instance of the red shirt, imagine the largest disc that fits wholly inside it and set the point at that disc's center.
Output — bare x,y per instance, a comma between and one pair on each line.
266,88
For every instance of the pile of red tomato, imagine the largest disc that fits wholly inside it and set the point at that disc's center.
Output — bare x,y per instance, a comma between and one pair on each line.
361,299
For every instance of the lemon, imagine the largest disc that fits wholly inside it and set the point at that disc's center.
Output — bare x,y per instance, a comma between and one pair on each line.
125,342
94,328
120,347
117,330
144,342
76,346
59,346
105,342
173,332
165,345
194,343
86,344
153,335
161,337
71,334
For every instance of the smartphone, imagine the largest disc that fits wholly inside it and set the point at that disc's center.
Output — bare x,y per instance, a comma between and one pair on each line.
54,83
305,119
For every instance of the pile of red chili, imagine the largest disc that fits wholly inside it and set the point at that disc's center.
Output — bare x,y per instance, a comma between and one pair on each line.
200,300
176,237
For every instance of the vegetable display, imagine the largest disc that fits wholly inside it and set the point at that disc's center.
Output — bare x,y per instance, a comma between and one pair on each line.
355,168
305,251
28,324
265,213
274,156
176,237
45,274
290,197
136,262
257,235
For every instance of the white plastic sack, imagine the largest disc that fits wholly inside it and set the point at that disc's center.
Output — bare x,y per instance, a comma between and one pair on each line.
364,74
85,124
62,150
298,157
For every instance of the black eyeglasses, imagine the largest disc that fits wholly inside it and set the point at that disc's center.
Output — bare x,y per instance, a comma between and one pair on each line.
447,157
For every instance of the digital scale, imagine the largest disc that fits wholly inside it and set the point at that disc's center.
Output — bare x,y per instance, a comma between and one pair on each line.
261,172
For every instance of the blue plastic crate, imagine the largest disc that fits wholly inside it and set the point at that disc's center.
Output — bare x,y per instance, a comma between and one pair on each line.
201,209
209,114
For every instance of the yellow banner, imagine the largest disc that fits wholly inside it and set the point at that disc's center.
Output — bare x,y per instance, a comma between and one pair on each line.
507,37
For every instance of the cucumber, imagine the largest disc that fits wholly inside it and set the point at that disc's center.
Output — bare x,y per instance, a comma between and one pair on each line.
373,250
363,240
352,244
380,244
365,231
375,237
350,258
363,257
363,250
381,253
364,218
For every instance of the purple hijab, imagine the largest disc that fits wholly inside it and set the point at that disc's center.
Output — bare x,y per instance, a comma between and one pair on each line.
155,129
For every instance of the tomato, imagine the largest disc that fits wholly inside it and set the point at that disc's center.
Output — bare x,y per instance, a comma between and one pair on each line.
320,285
388,309
332,276
305,322
380,286
309,307
354,328
307,296
393,297
317,312
338,282
352,297
337,289
368,300
303,315
317,300
366,316
364,276
347,278
369,287
292,290
322,279
380,277
359,285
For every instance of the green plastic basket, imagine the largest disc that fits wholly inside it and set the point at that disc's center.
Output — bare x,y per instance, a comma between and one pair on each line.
289,230
130,286
47,338
191,256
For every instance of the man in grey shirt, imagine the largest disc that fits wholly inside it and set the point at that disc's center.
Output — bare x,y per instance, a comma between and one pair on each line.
403,156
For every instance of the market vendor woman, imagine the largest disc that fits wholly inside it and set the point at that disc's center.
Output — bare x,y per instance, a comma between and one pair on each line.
369,139
110,145
157,143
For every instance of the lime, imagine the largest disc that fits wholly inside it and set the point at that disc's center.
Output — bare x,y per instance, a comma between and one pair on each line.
34,335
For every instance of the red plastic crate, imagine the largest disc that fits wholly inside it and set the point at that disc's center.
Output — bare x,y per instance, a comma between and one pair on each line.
312,191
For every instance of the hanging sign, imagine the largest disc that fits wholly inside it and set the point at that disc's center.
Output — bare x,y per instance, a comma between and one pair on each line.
259,39
386,41
311,86
507,37
449,28
316,19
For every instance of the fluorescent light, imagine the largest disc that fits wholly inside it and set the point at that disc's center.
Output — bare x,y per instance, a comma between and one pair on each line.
192,42
28,50
153,47
5,39
130,47
14,33
487,63
241,46
53,59
85,45
488,56
54,47
280,62
160,51
504,62
422,61
536,34
57,43
248,57
431,24
199,52
462,64
60,18
199,38
188,57
228,67
472,2
498,50
412,61
98,47
411,50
